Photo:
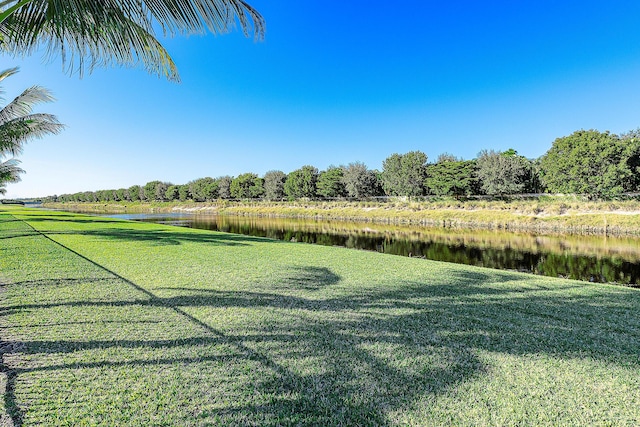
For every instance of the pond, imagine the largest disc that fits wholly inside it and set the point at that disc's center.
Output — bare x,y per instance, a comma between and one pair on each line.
595,259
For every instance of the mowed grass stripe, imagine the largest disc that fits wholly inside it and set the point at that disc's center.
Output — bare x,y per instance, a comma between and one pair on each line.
202,328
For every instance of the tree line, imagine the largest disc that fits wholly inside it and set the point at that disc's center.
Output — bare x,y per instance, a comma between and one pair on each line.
587,162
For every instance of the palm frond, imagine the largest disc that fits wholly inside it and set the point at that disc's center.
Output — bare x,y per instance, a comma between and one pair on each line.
86,34
218,16
8,73
106,32
18,125
14,133
10,172
23,104
4,74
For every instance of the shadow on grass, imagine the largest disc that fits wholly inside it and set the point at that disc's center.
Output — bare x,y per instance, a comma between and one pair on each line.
171,237
11,228
6,236
157,237
308,278
376,351
63,281
73,219
119,230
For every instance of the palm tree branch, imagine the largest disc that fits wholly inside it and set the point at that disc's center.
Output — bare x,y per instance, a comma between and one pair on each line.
23,103
102,35
14,133
11,9
10,172
105,32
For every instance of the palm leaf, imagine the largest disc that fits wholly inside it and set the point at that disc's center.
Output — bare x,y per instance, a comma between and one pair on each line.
8,73
23,104
17,123
4,74
108,32
14,133
10,172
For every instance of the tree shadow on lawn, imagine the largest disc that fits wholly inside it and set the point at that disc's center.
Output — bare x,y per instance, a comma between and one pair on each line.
19,229
10,235
129,231
309,278
374,351
72,220
64,217
161,237
171,237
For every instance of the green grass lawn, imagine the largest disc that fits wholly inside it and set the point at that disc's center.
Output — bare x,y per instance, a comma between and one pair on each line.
115,323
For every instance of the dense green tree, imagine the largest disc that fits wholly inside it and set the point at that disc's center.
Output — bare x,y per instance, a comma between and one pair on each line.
274,185
224,186
631,143
183,192
246,186
88,196
257,190
533,182
590,162
135,192
379,183
121,32
122,194
113,195
301,183
405,174
501,173
531,172
103,195
149,191
451,177
172,193
203,189
161,191
392,179
155,190
330,183
359,181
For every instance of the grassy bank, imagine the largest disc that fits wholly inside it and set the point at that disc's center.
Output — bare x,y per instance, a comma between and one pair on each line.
544,216
107,322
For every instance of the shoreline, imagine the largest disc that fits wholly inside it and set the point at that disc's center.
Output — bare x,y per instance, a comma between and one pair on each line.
591,218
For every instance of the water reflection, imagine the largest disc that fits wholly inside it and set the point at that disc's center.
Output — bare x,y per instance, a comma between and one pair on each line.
595,259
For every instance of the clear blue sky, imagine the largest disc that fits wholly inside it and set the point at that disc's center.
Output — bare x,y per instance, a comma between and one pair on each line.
341,81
